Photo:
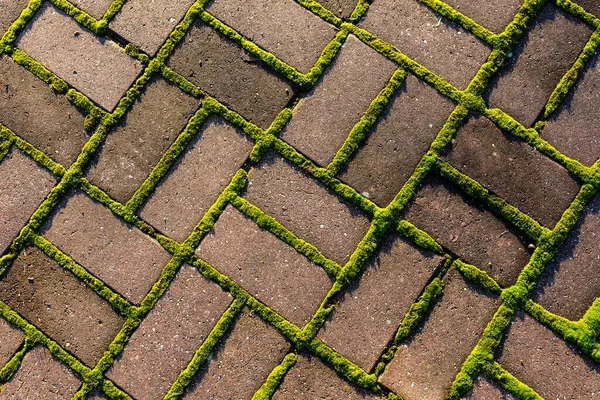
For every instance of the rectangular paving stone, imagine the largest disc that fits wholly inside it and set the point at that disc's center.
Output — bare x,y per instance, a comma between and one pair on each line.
398,141
172,332
97,67
23,187
11,339
96,8
35,112
425,366
513,170
111,249
307,208
569,284
542,360
147,24
484,389
311,379
41,376
9,12
132,149
468,230
61,305
323,119
573,128
493,15
425,36
265,266
341,8
284,28
544,54
371,310
241,362
232,75
197,180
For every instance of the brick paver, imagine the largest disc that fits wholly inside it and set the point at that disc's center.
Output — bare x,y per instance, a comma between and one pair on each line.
494,15
341,8
11,339
96,8
484,389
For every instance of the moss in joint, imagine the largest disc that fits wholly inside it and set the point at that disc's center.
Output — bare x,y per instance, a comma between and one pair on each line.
275,378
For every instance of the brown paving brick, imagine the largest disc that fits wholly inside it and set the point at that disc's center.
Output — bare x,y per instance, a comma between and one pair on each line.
131,151
35,112
341,8
96,8
113,250
438,44
591,6
174,329
9,12
307,208
473,233
265,266
541,58
284,28
425,366
398,141
324,118
371,310
97,67
311,379
569,283
573,128
484,389
242,361
233,76
513,170
60,305
23,187
550,366
10,340
196,181
41,376
494,15
148,24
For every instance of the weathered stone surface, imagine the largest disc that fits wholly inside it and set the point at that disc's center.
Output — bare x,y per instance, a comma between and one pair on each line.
591,6
97,67
425,366
9,12
174,329
398,141
113,250
307,208
265,266
10,341
196,181
242,361
284,28
23,187
371,310
541,58
324,118
423,35
341,8
542,360
484,389
494,15
96,8
229,73
148,129
513,170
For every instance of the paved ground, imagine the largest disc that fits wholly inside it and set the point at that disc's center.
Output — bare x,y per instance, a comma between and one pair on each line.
292,199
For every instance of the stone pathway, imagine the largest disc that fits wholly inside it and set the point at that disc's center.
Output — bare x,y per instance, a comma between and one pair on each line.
299,199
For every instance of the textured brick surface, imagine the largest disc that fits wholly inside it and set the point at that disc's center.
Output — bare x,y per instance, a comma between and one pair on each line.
10,340
96,8
341,8
494,15
484,389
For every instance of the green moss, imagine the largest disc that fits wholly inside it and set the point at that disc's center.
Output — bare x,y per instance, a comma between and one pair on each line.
419,237
78,15
478,276
509,382
14,363
275,378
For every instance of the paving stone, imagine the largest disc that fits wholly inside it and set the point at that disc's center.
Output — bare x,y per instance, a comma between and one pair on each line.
398,141
494,15
196,181
34,111
111,249
341,8
323,119
41,376
432,41
265,266
513,170
9,12
544,54
370,312
147,24
424,367
96,8
484,389
131,151
97,67
591,6
284,28
23,187
229,73
242,361
468,230
573,128
10,341
550,366
174,329
311,379
568,285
